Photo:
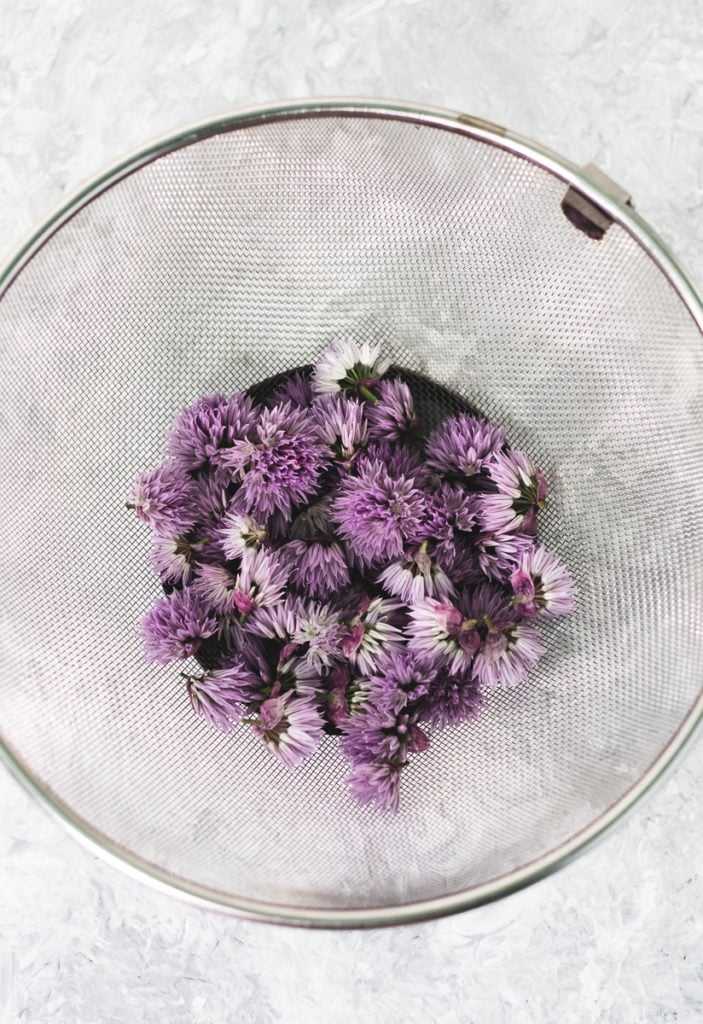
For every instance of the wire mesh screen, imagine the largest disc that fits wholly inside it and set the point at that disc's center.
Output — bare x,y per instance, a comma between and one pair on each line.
230,260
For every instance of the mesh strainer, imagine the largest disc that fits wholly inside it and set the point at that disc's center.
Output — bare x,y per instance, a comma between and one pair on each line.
229,253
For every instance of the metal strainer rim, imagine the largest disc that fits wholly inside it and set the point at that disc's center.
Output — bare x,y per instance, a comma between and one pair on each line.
557,857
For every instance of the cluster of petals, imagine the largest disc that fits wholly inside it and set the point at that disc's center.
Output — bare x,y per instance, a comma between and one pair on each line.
331,567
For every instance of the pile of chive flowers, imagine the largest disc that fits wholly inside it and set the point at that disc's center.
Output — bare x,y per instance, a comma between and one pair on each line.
333,567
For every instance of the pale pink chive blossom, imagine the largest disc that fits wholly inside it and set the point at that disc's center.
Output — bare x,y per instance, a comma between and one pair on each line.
217,585
541,585
317,568
394,415
416,576
203,430
506,655
341,425
345,695
311,631
318,635
256,678
463,445
260,581
439,632
276,622
163,499
291,727
176,626
521,492
213,698
173,559
239,533
350,366
370,632
499,553
245,677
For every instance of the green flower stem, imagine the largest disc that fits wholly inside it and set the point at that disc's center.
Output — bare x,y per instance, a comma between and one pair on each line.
368,394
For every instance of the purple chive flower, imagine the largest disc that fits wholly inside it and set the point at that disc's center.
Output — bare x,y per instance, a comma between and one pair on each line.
381,734
217,586
214,698
290,726
376,783
449,634
280,466
163,498
463,445
521,492
230,638
452,699
260,581
297,390
499,553
203,430
371,632
416,576
312,632
318,635
299,675
377,514
257,678
278,528
349,366
541,585
507,654
399,460
212,496
276,622
523,587
437,524
345,695
245,678
176,626
400,678
394,415
341,426
317,568
238,533
449,518
439,632
461,564
173,559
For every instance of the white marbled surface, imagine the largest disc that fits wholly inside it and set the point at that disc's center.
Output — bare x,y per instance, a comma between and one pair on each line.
615,937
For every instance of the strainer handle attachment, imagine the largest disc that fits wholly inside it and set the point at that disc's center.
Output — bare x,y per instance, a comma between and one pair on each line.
583,213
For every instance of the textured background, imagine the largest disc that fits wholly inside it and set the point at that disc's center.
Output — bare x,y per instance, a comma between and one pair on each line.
616,936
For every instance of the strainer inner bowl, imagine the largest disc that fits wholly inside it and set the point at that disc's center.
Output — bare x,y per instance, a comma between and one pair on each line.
224,261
